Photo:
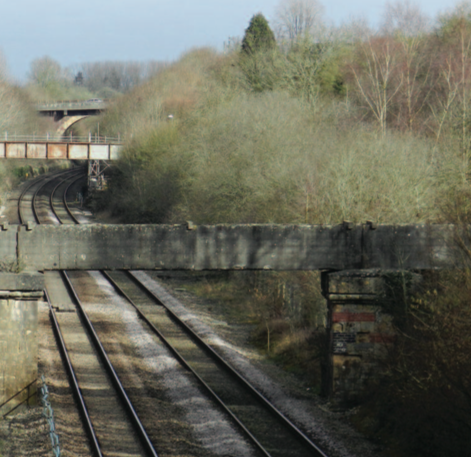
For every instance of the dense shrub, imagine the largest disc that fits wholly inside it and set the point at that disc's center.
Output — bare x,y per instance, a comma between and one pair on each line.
421,405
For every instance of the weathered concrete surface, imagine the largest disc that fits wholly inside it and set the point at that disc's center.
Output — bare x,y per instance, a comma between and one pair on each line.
359,325
19,296
21,282
270,247
420,247
257,247
8,243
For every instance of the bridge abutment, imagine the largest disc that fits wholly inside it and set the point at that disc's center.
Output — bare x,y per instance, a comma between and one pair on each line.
362,306
20,295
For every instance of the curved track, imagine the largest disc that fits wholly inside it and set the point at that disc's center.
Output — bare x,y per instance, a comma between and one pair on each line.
29,207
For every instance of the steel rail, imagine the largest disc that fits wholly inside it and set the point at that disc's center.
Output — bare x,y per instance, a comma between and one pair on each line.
23,193
74,382
187,365
47,181
101,351
283,419
66,205
111,371
64,200
43,180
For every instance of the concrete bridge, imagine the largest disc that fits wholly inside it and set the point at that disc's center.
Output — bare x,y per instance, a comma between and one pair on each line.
62,108
358,263
231,247
68,112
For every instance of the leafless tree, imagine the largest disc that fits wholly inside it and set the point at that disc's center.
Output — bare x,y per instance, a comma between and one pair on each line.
355,30
295,18
404,18
116,75
408,25
44,71
377,76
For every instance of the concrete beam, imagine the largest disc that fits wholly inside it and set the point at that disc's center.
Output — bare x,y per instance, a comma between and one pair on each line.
228,247
21,282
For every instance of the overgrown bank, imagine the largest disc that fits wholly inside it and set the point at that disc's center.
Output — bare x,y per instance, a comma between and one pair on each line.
317,131
18,116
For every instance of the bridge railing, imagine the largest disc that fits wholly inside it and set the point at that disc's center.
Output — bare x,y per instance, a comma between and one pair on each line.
64,104
48,138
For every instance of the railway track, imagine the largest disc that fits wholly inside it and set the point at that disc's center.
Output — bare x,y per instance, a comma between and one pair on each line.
108,416
266,431
36,201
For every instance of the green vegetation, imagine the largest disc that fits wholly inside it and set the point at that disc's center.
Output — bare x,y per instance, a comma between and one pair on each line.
258,36
325,126
17,116
49,82
304,124
421,405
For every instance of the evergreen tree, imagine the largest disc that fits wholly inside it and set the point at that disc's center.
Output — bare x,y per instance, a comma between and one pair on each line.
258,35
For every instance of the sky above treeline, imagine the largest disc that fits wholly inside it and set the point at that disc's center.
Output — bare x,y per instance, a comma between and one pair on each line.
140,30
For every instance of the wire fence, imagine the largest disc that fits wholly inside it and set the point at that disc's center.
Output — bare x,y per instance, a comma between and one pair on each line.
95,139
48,413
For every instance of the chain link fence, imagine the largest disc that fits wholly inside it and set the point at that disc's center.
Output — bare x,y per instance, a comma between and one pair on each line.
48,413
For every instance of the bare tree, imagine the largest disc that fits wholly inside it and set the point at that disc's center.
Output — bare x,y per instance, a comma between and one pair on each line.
377,76
404,18
44,71
452,106
295,18
116,75
405,22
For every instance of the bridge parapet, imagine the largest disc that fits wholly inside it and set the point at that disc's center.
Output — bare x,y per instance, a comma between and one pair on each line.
72,105
229,247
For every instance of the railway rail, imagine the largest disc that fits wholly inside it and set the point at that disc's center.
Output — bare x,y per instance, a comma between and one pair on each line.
82,339
268,430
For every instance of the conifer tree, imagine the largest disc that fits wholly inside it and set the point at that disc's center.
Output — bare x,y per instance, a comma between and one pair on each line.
258,35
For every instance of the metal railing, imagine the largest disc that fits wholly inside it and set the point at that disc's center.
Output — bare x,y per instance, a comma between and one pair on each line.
61,104
90,138
16,395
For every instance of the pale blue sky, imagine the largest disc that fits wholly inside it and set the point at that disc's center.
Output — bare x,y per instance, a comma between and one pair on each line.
91,30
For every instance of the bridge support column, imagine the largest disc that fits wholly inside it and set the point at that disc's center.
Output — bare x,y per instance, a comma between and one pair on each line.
361,304
19,298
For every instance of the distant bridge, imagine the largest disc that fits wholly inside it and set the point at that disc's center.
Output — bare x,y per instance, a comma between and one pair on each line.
62,108
88,148
68,112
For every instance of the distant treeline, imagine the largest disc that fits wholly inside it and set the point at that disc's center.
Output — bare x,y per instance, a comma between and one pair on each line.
114,75
47,80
